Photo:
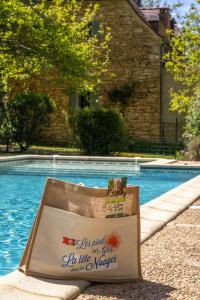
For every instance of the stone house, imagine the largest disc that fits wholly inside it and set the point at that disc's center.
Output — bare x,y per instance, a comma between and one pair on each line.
137,45
171,123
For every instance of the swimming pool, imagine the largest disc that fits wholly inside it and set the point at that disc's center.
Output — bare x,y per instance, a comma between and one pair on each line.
22,183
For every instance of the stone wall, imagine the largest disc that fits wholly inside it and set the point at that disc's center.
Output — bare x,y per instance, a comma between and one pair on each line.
172,121
135,57
56,131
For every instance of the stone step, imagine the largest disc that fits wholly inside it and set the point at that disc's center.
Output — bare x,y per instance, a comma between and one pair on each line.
18,286
194,207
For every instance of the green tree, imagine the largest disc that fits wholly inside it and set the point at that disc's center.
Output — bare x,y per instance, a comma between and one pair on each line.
23,114
6,129
53,36
183,60
192,127
151,3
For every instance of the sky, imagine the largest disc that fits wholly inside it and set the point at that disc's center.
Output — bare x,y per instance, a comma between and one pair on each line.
184,8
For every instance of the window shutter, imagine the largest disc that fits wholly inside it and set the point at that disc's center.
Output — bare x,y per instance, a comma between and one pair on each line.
95,28
94,99
73,101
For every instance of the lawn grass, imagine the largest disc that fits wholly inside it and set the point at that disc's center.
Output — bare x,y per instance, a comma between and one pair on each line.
75,151
51,149
144,155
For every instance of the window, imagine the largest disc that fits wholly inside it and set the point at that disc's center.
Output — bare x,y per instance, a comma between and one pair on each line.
95,28
84,100
80,101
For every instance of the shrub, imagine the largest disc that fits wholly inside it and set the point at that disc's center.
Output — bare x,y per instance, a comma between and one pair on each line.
6,130
193,149
99,131
192,130
152,146
27,111
192,127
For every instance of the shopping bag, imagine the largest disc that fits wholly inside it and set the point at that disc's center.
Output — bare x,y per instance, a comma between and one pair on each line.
72,239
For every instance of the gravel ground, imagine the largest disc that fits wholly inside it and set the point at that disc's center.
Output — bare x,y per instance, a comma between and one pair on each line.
170,266
190,216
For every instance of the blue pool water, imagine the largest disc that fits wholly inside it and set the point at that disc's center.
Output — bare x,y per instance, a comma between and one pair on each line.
22,184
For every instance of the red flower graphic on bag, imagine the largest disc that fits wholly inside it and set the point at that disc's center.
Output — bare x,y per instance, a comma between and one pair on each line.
113,240
68,241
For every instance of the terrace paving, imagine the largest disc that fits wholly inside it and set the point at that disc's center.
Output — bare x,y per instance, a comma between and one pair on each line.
170,265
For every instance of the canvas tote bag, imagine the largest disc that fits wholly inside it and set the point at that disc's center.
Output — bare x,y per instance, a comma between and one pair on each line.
72,239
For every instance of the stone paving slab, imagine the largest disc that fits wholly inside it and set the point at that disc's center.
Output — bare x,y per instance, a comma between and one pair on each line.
186,163
11,293
78,157
155,214
159,162
16,285
163,163
166,203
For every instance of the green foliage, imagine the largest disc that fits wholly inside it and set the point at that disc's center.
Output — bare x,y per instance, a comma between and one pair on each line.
192,127
26,112
151,3
122,94
183,59
193,148
152,146
99,131
6,130
157,3
53,36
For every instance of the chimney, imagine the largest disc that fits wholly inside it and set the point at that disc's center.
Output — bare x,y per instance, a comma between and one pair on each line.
165,17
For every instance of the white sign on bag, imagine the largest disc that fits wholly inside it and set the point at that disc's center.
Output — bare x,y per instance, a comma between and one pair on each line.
83,245
101,254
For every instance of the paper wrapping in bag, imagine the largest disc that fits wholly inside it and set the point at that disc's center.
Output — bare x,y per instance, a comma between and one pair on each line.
72,239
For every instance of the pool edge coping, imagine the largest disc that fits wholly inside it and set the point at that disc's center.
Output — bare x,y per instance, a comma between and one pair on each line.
73,157
154,215
158,212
